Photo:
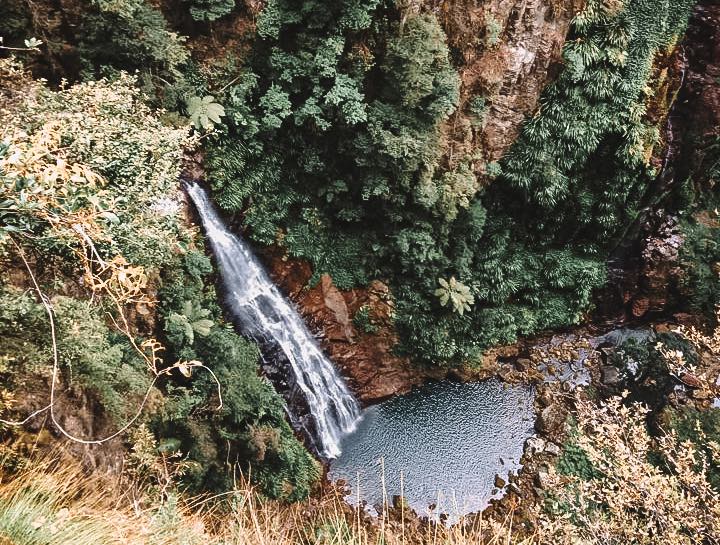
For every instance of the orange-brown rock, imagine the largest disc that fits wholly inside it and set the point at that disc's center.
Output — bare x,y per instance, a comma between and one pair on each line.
335,303
367,360
510,50
691,380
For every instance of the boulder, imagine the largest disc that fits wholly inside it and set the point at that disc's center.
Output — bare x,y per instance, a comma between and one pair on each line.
551,420
534,445
610,375
523,364
335,303
543,480
553,449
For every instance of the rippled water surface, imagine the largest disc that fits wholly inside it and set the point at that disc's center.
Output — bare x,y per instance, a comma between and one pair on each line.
448,441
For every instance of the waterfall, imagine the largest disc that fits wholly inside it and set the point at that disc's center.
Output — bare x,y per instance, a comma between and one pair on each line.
261,312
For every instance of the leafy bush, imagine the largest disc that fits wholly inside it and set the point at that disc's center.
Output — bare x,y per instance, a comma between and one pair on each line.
574,461
644,367
700,259
363,320
702,428
251,429
210,10
90,354
126,34
493,29
108,163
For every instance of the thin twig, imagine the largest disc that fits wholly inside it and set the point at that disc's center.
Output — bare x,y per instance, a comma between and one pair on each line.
56,370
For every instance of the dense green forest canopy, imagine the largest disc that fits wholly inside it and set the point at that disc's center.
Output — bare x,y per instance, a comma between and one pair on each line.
331,144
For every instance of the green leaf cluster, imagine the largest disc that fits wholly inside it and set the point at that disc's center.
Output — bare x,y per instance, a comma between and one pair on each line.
456,293
210,10
204,112
183,326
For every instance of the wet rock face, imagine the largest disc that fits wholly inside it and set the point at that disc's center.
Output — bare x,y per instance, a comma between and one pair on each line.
367,360
660,258
509,50
645,269
692,123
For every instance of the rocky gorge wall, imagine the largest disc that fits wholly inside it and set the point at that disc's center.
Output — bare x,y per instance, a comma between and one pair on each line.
507,51
691,124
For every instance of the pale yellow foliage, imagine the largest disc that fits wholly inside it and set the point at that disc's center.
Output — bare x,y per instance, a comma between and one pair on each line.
90,168
704,373
633,501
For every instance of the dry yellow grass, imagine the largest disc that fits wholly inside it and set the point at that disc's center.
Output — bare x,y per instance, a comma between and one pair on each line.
56,503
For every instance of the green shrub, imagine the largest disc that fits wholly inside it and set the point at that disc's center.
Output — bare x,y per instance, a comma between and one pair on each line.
363,320
126,34
700,259
210,10
651,378
493,29
195,329
129,163
89,354
574,461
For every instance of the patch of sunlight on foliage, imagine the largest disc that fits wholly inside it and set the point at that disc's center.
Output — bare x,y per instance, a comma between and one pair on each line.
91,355
92,154
456,293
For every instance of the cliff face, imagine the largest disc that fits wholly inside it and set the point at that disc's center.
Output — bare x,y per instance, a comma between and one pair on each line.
365,357
699,105
691,125
508,51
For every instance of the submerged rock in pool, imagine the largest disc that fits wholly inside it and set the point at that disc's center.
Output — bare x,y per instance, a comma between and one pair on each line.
442,444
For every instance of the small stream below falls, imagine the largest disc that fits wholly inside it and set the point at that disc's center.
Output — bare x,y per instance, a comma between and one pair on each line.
447,440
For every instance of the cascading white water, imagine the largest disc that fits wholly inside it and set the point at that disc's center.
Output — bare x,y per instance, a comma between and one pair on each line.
264,314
